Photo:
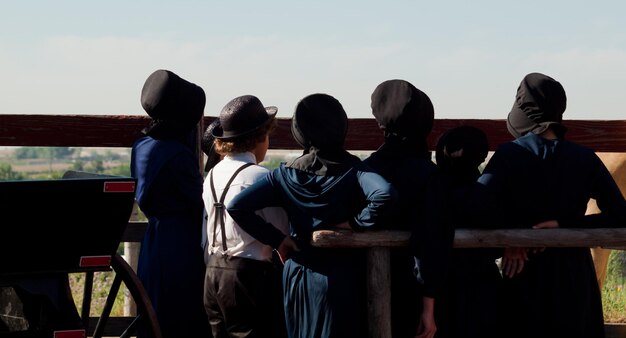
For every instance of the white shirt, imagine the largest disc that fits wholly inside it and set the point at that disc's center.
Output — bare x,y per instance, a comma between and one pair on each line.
238,242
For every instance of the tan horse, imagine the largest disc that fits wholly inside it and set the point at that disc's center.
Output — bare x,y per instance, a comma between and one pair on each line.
616,164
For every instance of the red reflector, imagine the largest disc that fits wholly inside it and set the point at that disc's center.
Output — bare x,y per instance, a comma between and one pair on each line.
89,261
119,186
69,334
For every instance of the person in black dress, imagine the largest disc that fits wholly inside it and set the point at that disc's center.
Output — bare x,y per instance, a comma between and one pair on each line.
542,180
468,305
169,192
406,115
325,187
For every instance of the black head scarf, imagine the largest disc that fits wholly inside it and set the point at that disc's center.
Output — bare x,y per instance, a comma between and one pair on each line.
539,104
319,125
174,104
405,113
461,150
208,146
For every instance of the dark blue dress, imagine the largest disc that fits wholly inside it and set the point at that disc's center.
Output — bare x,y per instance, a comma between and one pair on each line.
533,180
171,262
324,289
468,304
418,209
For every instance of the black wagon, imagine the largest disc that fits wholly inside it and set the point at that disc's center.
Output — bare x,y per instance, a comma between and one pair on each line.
50,229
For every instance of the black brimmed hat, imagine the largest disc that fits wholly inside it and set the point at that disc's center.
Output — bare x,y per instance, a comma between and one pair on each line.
241,116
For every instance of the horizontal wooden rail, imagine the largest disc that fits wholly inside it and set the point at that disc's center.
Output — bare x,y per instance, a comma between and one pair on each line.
363,133
463,238
478,238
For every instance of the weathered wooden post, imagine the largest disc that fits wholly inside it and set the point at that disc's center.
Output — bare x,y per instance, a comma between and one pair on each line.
131,256
379,245
378,292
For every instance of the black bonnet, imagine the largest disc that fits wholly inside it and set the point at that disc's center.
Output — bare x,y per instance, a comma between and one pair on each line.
464,147
400,108
168,98
319,121
206,143
539,104
208,146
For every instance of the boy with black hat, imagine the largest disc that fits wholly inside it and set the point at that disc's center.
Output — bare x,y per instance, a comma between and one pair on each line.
242,285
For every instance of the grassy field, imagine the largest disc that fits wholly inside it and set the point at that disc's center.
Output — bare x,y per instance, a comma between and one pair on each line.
614,289
101,286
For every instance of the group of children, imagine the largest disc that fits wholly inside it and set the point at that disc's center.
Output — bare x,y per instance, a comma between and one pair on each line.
257,275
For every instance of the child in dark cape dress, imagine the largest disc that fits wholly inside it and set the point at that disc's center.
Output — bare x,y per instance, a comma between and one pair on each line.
405,115
468,306
324,288
169,192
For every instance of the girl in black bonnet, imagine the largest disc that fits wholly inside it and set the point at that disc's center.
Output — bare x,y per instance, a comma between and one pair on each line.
169,193
208,148
405,114
542,180
324,289
468,306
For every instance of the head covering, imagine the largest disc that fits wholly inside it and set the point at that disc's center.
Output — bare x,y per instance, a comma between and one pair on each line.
319,121
208,146
242,116
461,150
539,104
174,104
402,110
406,115
319,125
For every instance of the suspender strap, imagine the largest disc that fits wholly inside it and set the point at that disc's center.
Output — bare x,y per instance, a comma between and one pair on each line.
219,205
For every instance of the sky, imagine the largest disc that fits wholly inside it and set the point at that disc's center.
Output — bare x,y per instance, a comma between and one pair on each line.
92,57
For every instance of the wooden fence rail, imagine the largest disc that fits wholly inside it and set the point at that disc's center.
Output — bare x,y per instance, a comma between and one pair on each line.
363,135
477,238
463,238
380,243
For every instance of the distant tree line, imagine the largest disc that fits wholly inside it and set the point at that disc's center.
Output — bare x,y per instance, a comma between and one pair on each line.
44,152
93,162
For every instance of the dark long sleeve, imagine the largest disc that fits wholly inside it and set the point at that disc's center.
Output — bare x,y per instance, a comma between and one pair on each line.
379,196
431,240
609,200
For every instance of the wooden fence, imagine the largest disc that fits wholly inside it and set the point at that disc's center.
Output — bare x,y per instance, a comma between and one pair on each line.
363,135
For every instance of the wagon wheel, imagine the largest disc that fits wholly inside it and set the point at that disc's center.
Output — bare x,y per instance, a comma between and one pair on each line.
120,326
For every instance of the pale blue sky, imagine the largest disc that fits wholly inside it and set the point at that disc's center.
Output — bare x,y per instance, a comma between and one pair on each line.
92,57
